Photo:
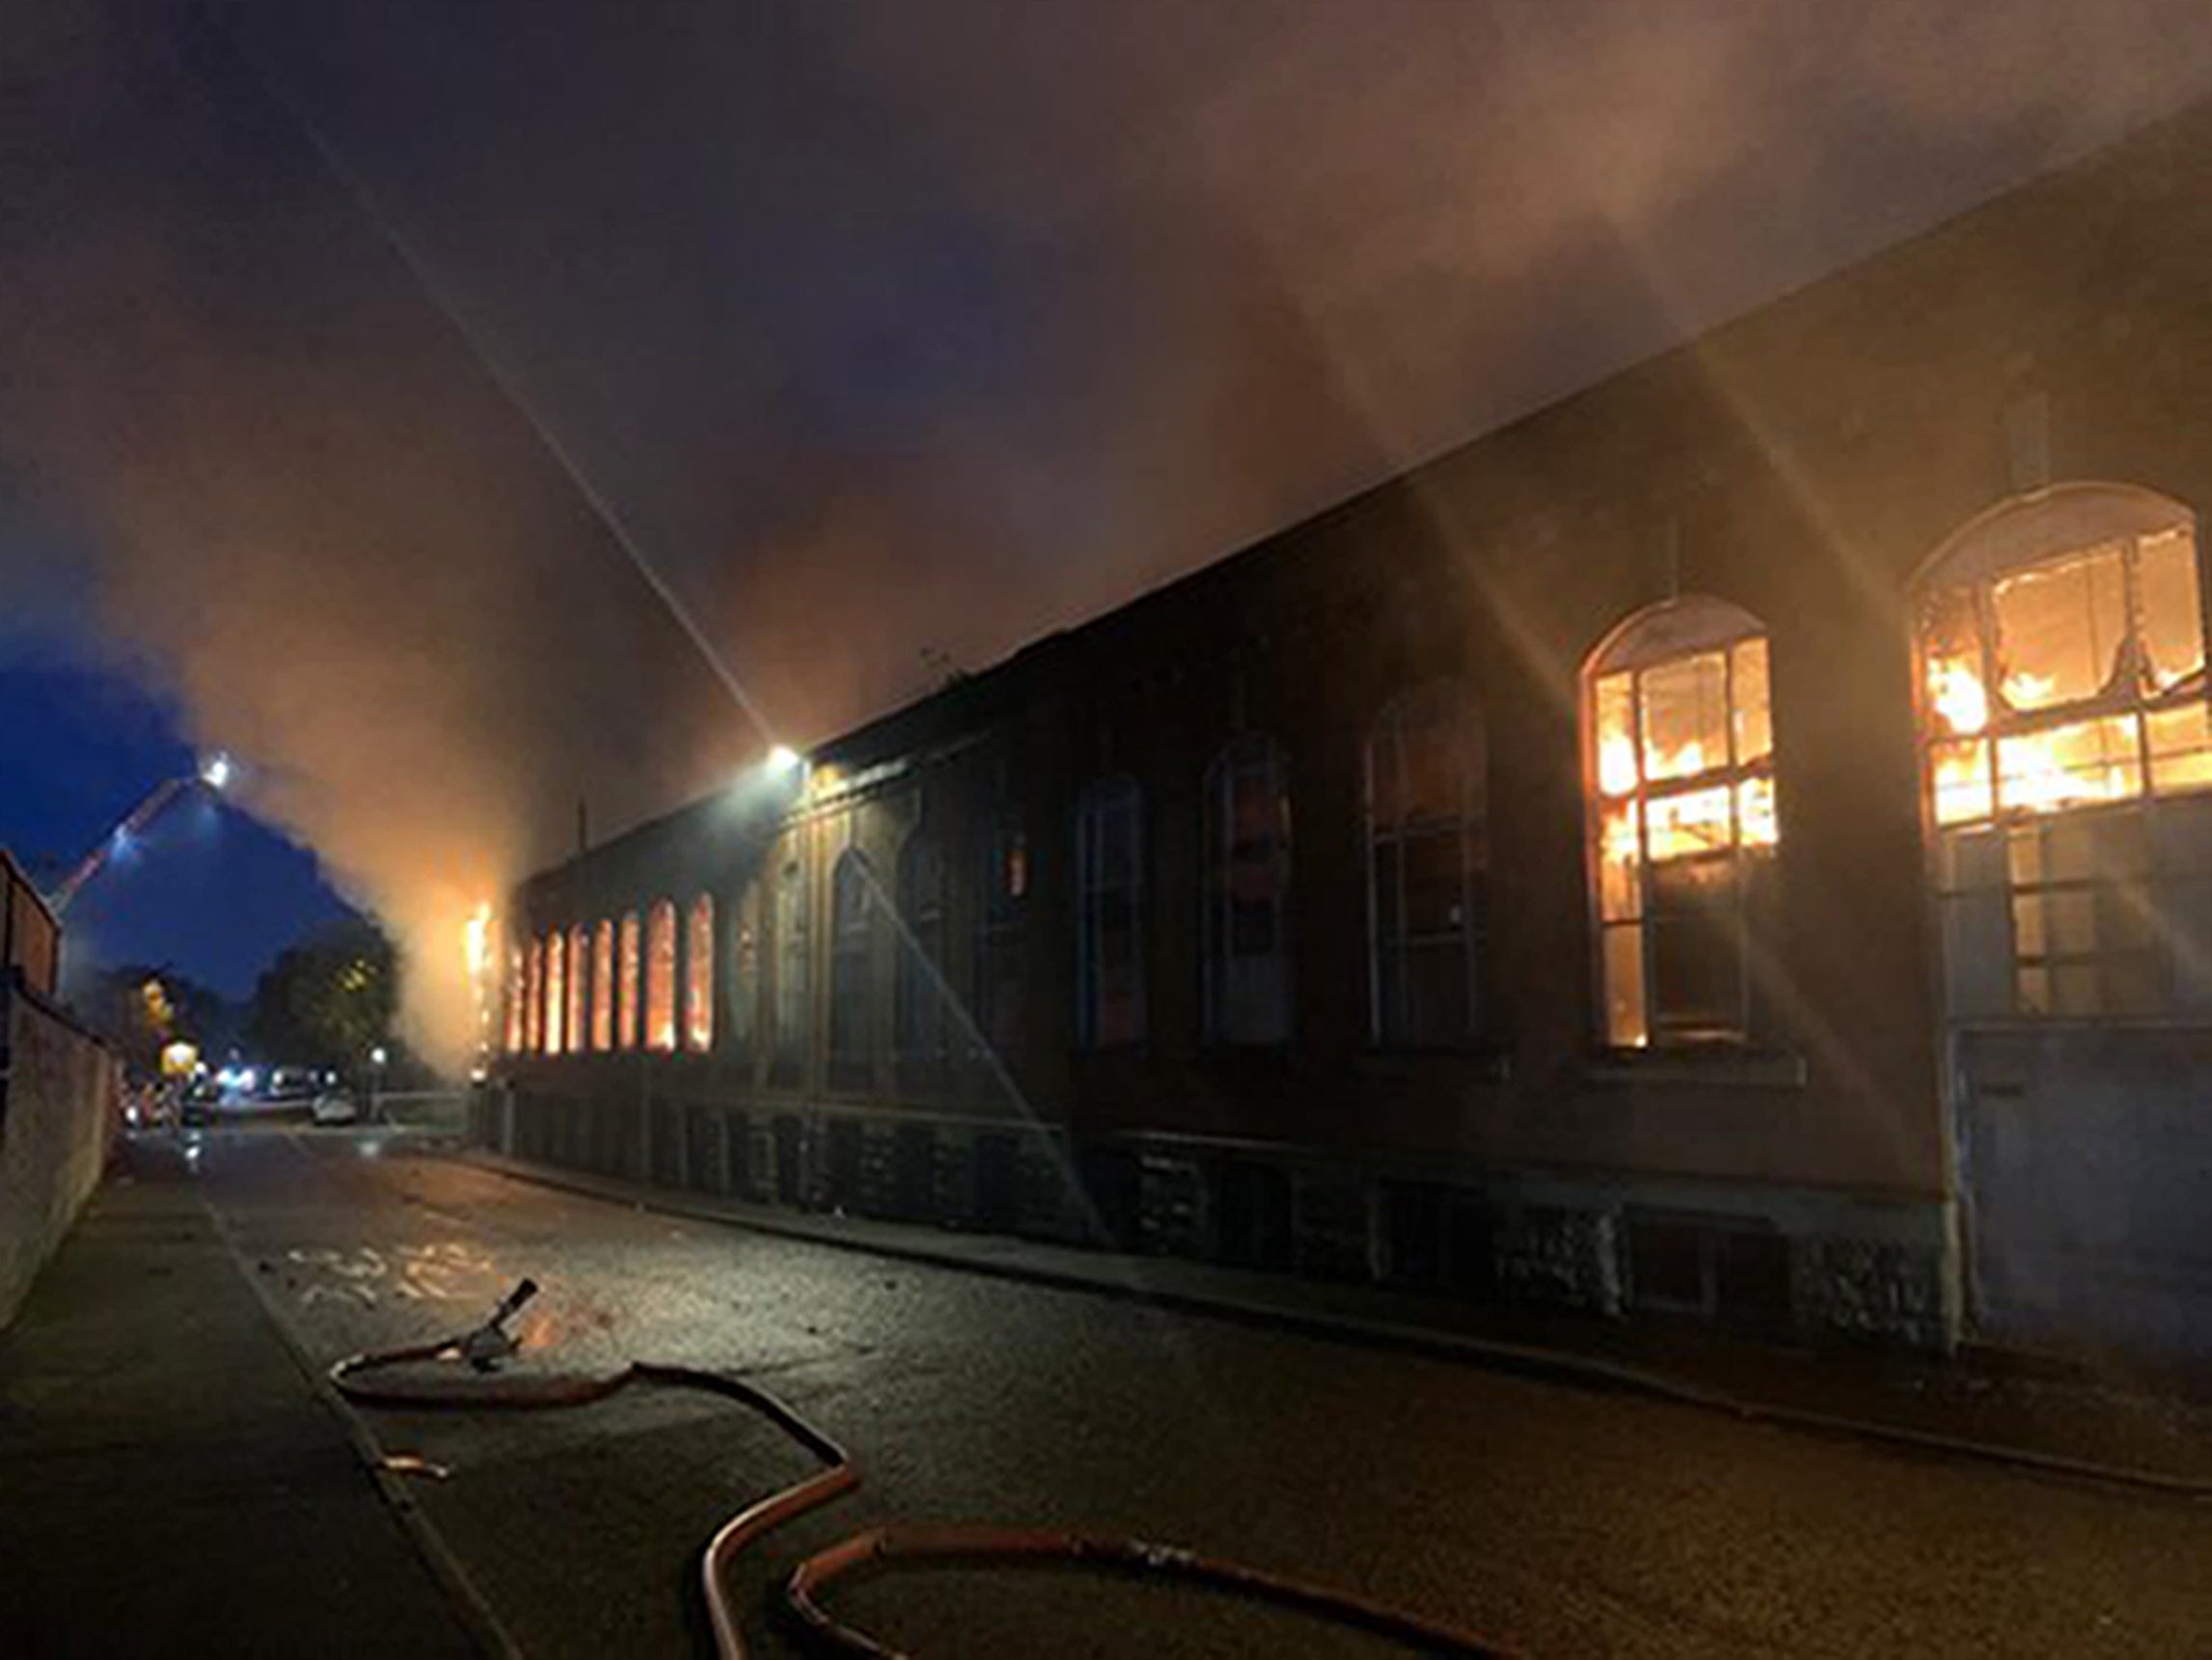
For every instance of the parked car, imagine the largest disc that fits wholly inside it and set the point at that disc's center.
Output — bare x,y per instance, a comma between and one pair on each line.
335,1106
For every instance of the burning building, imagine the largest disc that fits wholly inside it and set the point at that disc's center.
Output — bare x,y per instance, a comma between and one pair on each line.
1735,842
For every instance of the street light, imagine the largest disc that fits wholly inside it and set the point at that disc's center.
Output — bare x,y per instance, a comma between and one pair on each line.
376,1059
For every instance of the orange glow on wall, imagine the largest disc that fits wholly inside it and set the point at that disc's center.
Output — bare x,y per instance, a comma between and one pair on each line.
556,994
660,977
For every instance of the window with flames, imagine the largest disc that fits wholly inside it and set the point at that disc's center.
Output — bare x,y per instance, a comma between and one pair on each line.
2062,705
660,977
1682,815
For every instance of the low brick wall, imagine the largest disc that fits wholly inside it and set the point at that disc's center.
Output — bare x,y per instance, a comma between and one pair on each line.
58,1108
1775,1263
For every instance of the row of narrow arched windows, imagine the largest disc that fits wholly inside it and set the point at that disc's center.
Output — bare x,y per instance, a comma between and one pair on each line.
2061,661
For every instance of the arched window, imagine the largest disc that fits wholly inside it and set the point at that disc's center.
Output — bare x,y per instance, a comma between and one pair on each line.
579,986
661,976
517,988
920,1023
1679,757
793,964
698,977
555,992
1428,858
626,1000
603,986
1245,870
853,925
1109,914
533,999
745,970
2061,668
1001,949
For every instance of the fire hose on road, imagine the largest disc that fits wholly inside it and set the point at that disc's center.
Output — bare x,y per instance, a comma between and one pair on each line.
487,1345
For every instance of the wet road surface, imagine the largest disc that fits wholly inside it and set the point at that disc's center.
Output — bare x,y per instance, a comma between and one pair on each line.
1553,1520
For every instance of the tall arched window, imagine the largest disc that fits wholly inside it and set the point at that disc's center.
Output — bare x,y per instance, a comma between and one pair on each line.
661,976
698,977
853,923
794,963
517,988
1245,870
626,999
579,986
1427,860
603,986
1001,940
2061,651
920,1024
1109,914
1678,747
745,970
533,999
555,992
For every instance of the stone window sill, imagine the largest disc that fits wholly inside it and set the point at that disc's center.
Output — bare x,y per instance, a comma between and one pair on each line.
1719,1069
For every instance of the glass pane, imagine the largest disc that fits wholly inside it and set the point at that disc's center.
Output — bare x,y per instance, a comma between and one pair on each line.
1685,716
1620,881
1616,718
2180,749
1624,1024
1696,986
1950,644
2060,628
1436,1005
2027,937
2173,611
2068,766
1961,782
2033,989
1756,823
1434,754
603,988
1754,719
1436,883
1693,822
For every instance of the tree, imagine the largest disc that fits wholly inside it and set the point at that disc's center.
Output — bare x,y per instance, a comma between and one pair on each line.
328,1000
140,1007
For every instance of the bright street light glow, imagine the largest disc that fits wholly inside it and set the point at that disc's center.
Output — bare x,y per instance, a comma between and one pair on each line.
215,771
377,1057
783,758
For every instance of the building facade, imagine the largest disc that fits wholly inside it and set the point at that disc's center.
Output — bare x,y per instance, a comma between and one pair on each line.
1736,842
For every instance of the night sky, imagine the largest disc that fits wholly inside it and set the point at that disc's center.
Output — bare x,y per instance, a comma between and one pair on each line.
888,333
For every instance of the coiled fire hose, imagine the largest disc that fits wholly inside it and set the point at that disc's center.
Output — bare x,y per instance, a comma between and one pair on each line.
485,1346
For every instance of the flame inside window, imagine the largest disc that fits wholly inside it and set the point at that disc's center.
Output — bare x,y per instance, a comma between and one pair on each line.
2098,661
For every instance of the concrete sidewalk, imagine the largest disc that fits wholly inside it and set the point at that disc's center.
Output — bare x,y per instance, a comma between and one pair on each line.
174,1483
2074,1421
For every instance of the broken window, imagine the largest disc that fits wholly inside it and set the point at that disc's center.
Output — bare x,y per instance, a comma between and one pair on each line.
626,1008
1246,883
2062,702
1109,914
698,977
661,976
1682,821
1428,862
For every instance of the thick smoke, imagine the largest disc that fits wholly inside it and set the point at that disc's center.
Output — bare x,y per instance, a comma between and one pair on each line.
892,328
312,519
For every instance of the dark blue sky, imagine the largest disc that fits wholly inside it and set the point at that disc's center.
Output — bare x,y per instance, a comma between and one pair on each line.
208,891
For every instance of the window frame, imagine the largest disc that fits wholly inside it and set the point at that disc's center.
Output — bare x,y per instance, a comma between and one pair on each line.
1244,755
1387,1030
1654,639
855,1039
1976,856
1116,792
662,1030
921,1015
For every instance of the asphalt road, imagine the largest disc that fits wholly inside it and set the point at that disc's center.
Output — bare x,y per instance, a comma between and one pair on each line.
1553,1520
